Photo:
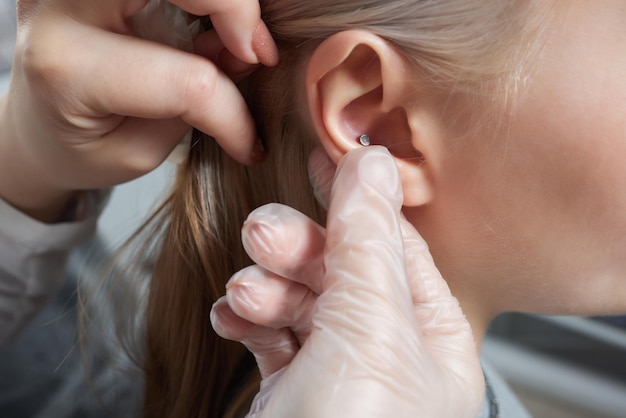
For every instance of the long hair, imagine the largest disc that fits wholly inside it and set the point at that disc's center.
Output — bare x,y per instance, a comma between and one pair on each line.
466,46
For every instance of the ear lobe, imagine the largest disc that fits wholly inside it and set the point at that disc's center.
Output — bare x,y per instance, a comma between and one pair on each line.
355,85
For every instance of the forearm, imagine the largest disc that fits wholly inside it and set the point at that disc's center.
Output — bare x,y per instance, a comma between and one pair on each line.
23,184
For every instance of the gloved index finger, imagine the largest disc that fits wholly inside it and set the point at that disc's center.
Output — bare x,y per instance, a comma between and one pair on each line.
287,243
364,246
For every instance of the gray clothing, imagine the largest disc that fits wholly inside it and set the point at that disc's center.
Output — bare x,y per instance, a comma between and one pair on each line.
508,405
7,33
42,370
33,256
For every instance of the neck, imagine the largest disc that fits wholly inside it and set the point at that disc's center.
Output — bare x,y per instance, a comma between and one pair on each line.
478,315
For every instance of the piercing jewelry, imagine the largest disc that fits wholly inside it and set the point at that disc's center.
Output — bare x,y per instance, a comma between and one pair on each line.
365,140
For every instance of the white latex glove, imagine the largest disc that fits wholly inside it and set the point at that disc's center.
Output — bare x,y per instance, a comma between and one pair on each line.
91,104
384,338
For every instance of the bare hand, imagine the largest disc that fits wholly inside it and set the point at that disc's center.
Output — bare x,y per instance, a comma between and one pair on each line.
90,105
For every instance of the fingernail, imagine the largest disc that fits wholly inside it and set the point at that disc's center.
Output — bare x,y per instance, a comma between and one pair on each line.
258,151
217,325
264,47
258,239
246,296
377,168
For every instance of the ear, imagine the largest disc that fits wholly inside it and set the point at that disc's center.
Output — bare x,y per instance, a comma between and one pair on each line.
358,83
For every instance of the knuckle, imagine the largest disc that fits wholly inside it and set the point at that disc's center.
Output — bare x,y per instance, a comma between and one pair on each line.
201,82
42,64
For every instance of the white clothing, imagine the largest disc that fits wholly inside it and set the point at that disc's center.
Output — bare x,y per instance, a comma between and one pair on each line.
33,258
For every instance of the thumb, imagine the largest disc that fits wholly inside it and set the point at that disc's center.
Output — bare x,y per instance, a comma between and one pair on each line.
364,236
445,330
366,298
364,330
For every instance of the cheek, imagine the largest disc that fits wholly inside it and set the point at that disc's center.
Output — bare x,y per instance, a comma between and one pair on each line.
536,218
569,167
471,231
537,222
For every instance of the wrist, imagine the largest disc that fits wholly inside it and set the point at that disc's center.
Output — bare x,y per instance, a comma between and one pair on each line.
23,185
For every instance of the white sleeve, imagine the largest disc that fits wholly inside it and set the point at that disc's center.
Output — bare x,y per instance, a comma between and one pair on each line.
33,257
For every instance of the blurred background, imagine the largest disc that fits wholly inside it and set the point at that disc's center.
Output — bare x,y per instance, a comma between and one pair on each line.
561,367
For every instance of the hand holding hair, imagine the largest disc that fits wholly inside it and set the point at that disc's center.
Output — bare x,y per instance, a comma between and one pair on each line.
91,105
354,320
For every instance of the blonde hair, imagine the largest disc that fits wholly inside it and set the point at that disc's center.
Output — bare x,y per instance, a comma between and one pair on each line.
473,47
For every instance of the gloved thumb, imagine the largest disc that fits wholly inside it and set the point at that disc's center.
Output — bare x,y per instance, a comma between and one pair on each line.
364,234
365,308
367,354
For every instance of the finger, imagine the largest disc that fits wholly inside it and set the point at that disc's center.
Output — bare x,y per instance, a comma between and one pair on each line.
438,313
266,391
364,239
425,280
437,310
209,46
287,243
321,173
238,22
153,81
266,299
366,307
134,148
272,348
239,25
227,324
441,321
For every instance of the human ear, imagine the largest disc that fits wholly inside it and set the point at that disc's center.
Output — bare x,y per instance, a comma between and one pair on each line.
358,83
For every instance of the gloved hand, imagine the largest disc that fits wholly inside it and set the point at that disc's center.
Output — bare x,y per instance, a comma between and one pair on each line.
353,321
92,105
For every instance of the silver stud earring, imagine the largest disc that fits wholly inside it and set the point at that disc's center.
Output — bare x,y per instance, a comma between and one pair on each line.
365,140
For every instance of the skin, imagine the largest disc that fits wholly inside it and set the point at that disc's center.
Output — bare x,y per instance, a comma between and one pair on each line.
91,106
543,226
530,218
366,346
